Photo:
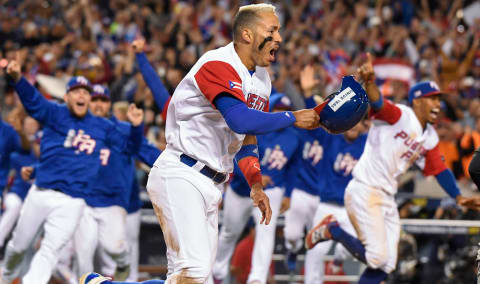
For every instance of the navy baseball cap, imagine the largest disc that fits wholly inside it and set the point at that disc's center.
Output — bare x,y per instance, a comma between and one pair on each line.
279,100
79,82
100,91
423,89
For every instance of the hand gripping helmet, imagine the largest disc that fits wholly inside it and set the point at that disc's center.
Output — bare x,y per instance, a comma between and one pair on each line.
342,110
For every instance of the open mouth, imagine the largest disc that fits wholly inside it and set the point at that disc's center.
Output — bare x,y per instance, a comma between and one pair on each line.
80,104
273,52
434,113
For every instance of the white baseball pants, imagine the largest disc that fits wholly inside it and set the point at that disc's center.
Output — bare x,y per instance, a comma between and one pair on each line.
236,211
300,215
314,263
133,239
105,226
186,204
59,214
374,216
13,205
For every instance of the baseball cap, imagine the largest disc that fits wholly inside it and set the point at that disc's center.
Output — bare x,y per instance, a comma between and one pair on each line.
423,89
79,82
100,91
279,100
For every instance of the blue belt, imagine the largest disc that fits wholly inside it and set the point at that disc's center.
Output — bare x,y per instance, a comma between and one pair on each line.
217,177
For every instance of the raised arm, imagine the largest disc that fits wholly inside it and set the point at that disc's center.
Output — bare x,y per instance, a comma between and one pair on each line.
133,142
154,83
381,109
35,104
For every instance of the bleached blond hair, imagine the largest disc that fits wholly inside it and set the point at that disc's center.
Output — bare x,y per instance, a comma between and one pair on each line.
248,15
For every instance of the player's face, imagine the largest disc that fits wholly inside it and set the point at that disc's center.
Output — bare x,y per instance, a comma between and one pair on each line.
266,39
30,126
77,101
100,106
430,108
355,131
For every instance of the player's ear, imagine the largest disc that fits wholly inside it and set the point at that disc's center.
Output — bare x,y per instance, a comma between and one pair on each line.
247,35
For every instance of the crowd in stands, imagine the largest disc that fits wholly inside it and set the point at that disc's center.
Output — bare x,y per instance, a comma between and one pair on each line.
411,40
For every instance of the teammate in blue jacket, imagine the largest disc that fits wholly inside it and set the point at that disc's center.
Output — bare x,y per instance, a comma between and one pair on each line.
109,199
70,151
337,165
19,189
275,151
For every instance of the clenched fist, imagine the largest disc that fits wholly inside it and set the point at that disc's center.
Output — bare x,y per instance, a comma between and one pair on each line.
307,119
138,45
134,115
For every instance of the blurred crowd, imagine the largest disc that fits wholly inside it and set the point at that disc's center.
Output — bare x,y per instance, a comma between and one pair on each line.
410,40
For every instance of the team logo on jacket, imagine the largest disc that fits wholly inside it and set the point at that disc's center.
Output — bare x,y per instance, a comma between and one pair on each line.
313,151
256,102
275,158
235,85
83,142
344,162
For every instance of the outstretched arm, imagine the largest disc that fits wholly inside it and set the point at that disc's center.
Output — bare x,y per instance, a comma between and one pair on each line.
35,104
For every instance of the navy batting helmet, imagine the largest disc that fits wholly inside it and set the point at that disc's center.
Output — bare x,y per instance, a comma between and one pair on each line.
344,109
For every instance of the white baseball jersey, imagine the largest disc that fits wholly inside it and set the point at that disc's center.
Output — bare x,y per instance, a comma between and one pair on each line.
194,126
395,141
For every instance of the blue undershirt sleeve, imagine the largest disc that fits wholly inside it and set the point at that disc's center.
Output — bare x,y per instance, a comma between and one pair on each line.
448,183
154,83
310,102
244,120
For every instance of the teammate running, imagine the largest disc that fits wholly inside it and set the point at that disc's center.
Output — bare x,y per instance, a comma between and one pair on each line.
400,136
70,151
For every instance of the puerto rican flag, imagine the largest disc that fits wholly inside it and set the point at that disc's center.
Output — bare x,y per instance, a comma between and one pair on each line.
235,85
388,70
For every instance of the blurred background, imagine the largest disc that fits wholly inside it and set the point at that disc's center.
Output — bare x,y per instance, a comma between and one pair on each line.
410,41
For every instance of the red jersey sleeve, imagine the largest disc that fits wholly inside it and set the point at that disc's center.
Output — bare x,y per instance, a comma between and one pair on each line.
434,163
215,77
165,109
389,112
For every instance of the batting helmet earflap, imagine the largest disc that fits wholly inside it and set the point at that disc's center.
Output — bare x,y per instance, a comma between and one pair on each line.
342,110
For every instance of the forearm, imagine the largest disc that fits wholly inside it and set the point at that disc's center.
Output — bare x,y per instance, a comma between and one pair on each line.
136,137
243,120
448,183
35,104
372,90
153,81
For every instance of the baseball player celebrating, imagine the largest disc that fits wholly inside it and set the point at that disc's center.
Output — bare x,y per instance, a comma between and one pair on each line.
189,170
337,165
275,151
219,101
70,151
400,135
109,198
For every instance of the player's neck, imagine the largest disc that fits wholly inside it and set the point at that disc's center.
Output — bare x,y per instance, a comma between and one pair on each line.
244,53
423,122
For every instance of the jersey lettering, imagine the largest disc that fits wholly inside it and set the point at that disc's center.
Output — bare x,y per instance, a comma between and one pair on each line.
104,156
256,102
314,151
344,162
415,149
83,142
275,158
